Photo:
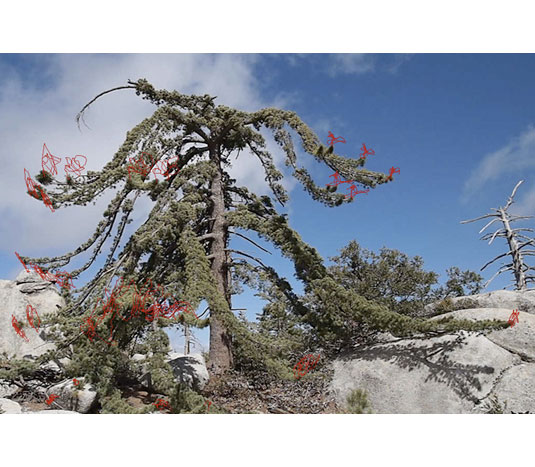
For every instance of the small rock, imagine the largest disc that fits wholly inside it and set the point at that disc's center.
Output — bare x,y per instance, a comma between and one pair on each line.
190,370
9,407
72,398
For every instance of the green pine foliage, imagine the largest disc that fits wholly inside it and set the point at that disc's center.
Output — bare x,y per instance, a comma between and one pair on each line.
44,177
397,281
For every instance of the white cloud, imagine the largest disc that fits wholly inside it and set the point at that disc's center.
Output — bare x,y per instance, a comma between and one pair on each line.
516,156
525,204
34,111
351,64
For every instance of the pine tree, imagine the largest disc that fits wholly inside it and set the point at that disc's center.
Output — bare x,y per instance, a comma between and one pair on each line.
184,243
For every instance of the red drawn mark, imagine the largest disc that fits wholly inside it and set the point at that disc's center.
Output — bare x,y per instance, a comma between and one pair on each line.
162,404
30,184
30,312
332,140
209,404
76,382
27,270
513,318
46,199
51,398
110,307
336,180
170,167
138,165
354,191
64,279
363,155
17,328
49,162
165,168
90,330
139,307
392,172
74,165
46,276
305,365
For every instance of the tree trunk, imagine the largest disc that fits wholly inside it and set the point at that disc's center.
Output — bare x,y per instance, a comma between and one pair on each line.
220,345
518,261
186,339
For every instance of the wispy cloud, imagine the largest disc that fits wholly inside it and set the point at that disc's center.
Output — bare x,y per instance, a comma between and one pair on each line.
525,204
518,155
350,64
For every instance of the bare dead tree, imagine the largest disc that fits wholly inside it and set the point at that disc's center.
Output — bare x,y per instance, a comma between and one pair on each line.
516,241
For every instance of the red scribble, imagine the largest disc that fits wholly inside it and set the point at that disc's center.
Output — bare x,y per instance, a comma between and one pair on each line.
366,151
336,180
90,331
305,365
30,184
32,310
162,404
64,279
17,328
49,159
354,191
177,307
170,167
46,276
139,165
51,398
209,404
392,172
27,270
164,168
46,199
139,306
110,307
513,318
75,382
332,140
74,165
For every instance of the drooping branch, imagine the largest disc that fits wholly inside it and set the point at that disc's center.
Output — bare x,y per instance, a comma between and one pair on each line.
80,114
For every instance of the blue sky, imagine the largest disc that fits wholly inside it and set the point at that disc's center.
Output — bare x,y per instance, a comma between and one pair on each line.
459,127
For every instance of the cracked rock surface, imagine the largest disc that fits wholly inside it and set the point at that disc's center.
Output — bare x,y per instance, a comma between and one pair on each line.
456,373
27,289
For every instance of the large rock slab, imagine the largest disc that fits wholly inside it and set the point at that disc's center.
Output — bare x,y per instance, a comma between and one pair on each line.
516,388
27,289
519,338
513,300
457,373
447,374
189,369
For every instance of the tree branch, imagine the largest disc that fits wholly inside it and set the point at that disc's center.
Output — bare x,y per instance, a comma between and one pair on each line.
80,114
248,239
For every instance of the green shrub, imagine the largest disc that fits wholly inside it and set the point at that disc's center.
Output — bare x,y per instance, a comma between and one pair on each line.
357,402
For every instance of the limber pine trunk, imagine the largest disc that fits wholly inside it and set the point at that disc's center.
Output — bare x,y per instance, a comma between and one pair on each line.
220,345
